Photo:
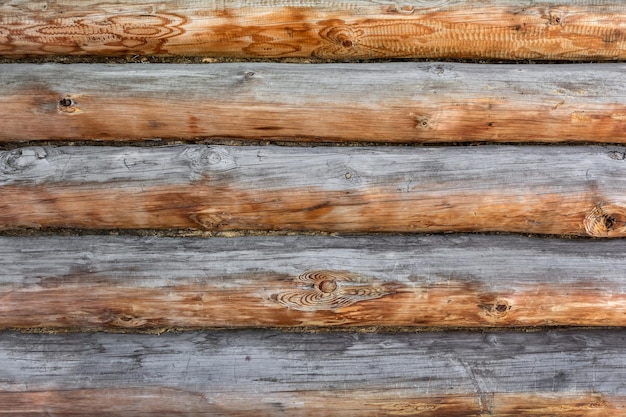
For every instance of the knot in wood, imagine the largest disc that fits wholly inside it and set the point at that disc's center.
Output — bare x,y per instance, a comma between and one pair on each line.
327,286
67,105
422,122
343,40
341,175
121,319
330,290
606,222
20,160
406,9
497,309
203,159
343,36
617,155
555,19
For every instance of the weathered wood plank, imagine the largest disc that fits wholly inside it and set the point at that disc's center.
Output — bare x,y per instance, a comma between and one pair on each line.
444,281
356,402
551,190
256,373
357,29
397,102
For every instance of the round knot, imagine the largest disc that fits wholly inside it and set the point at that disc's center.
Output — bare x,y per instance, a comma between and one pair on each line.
497,309
327,286
605,221
21,160
67,105
203,160
341,35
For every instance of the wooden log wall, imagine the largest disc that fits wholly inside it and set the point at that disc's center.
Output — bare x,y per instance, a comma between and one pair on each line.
312,237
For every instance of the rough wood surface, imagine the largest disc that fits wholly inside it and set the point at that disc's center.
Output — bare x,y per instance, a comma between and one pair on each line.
576,373
357,29
395,102
550,190
443,281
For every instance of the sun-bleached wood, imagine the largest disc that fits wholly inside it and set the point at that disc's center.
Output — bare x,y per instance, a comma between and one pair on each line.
394,102
549,190
266,373
357,29
105,282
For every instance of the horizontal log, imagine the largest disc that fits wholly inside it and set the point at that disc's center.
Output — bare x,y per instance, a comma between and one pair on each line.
396,102
110,282
576,373
551,190
358,29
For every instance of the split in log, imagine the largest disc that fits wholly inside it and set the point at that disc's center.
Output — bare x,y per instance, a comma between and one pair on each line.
101,283
397,102
548,190
358,29
262,373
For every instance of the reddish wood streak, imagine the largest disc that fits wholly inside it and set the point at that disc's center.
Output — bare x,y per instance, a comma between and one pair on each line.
201,206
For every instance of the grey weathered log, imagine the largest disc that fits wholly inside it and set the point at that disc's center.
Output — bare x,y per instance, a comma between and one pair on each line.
104,282
551,190
265,373
394,102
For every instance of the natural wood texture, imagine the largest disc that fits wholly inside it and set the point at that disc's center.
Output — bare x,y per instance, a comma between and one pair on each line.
444,281
397,102
551,190
358,29
326,403
252,373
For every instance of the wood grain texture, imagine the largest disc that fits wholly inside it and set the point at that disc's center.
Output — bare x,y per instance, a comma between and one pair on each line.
257,373
103,282
550,190
395,102
358,29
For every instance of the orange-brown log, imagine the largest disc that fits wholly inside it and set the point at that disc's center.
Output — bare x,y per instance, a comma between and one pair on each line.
548,190
101,283
360,29
265,373
395,102
142,402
